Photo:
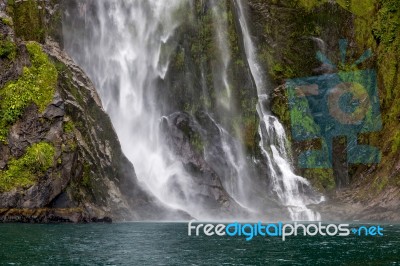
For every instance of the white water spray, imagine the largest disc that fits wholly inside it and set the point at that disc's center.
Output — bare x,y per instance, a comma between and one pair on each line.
125,49
126,46
285,183
221,28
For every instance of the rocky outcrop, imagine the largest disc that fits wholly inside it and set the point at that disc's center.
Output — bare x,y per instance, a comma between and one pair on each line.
288,49
61,162
60,159
200,144
187,138
49,215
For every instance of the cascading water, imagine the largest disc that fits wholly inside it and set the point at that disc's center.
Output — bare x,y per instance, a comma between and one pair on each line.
221,29
288,186
124,51
125,47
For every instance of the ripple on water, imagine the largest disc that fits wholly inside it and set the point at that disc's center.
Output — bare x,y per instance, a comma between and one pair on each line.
168,244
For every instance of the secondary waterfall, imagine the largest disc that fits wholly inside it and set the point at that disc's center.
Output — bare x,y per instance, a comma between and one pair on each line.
125,47
288,186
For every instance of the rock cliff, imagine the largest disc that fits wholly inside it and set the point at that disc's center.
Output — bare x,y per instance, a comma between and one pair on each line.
60,159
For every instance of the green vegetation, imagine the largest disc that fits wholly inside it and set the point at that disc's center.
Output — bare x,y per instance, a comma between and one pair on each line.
250,135
359,8
356,7
36,85
8,49
180,60
25,171
197,142
302,120
386,31
387,27
287,49
376,25
86,175
310,4
322,179
280,72
396,143
68,127
28,18
280,106
199,52
379,184
7,21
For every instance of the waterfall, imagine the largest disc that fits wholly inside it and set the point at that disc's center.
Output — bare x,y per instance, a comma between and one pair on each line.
288,186
126,47
236,176
221,30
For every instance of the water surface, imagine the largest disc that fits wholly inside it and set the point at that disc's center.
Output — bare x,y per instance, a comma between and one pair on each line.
169,244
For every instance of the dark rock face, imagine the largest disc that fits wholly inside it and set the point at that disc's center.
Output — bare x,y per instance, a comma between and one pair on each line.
186,137
34,128
90,180
112,183
198,143
362,192
46,215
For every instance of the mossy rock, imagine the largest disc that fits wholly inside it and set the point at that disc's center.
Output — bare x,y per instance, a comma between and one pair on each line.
8,49
321,178
36,86
24,171
28,17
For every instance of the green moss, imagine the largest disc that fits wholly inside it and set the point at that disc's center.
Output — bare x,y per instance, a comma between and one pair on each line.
379,184
321,178
25,171
197,142
28,19
180,60
70,145
310,4
359,8
356,7
69,127
8,49
250,135
293,54
280,107
386,30
7,21
396,143
379,28
280,72
36,85
387,26
86,180
302,120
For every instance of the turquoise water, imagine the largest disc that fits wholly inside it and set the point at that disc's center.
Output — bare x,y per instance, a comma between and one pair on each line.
169,244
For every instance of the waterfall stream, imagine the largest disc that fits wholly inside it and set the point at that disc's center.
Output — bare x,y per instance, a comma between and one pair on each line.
123,52
288,186
125,48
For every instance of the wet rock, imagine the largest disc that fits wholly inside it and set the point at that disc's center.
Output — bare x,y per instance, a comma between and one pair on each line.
89,173
186,137
46,215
